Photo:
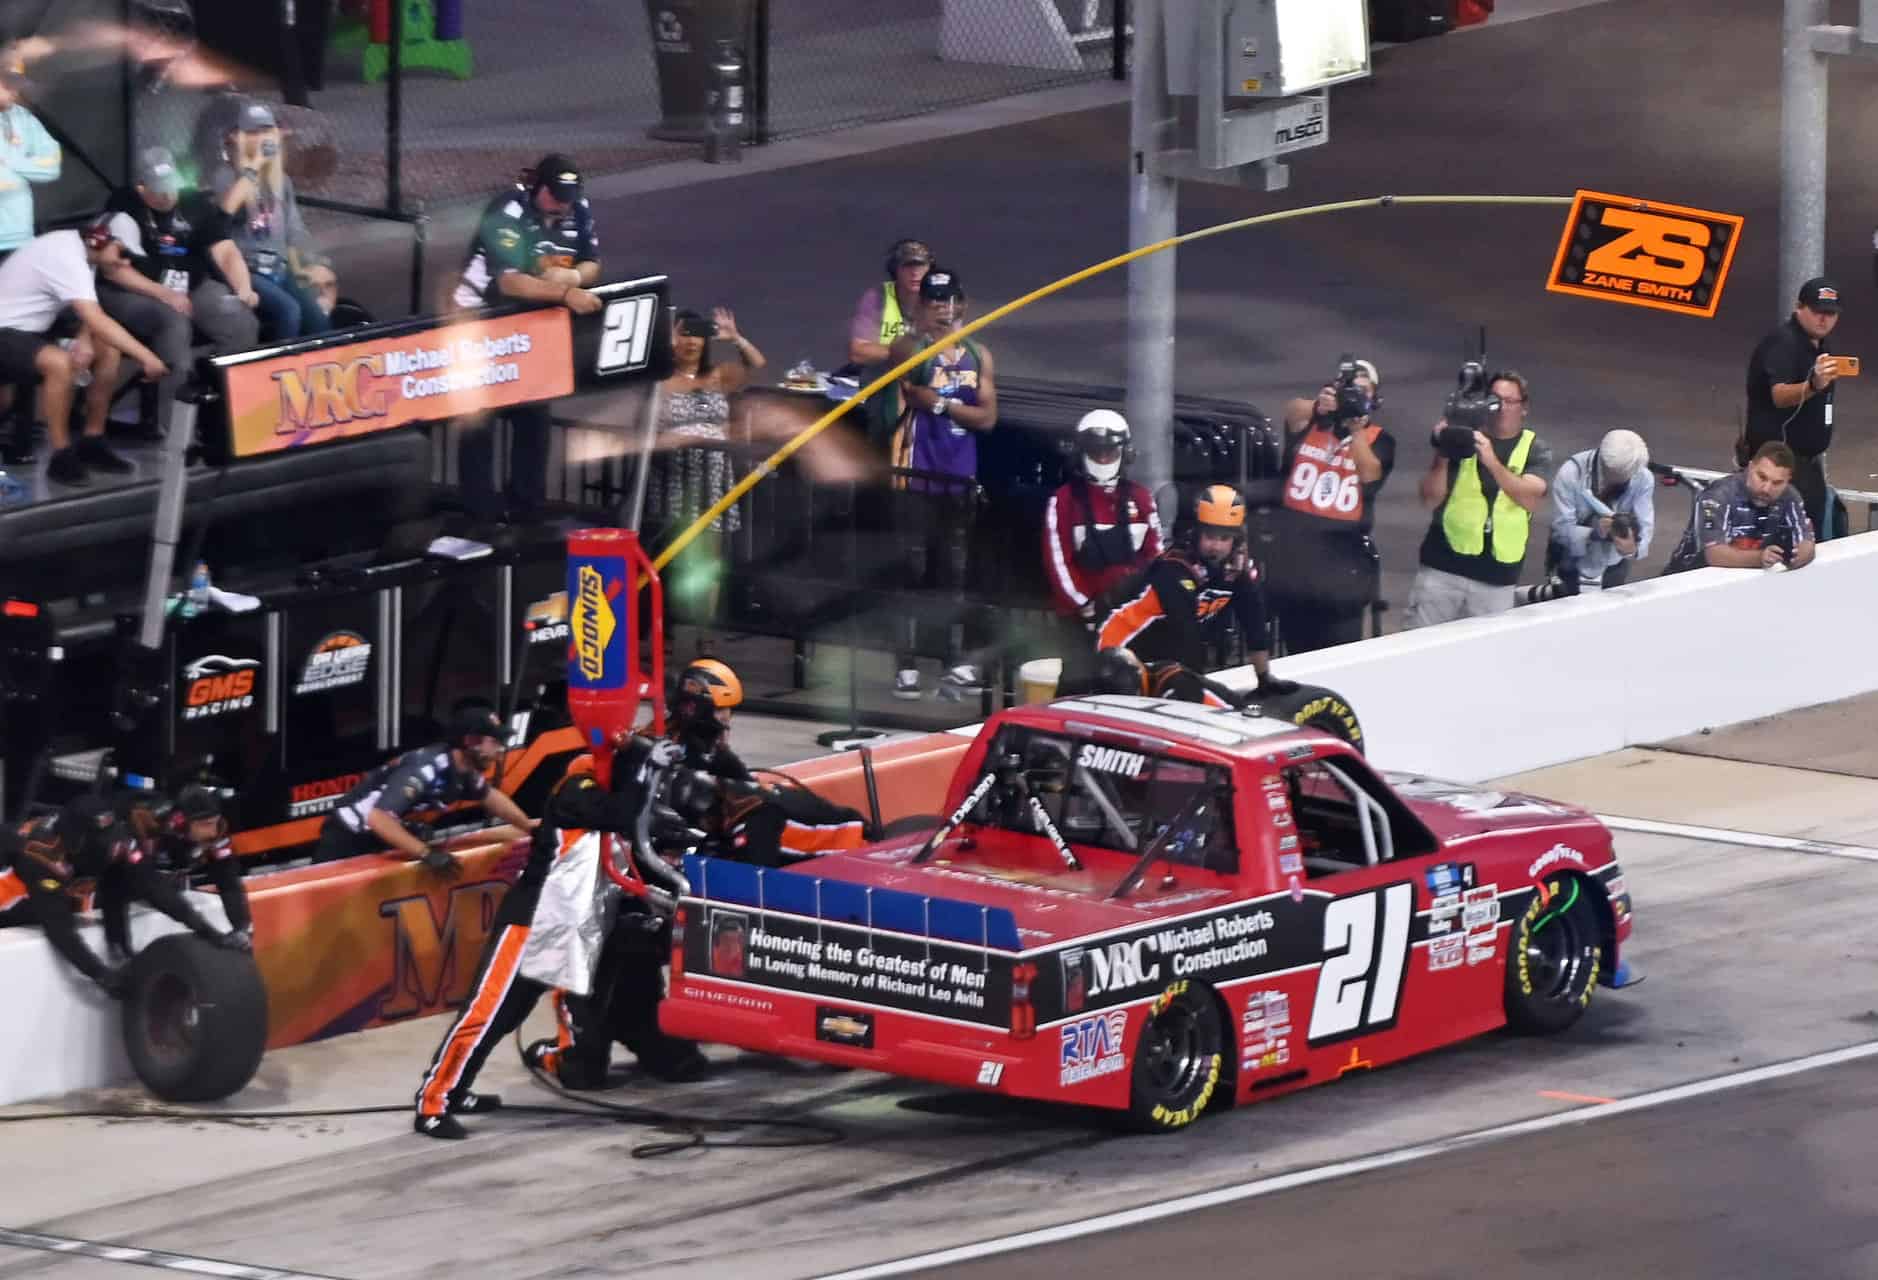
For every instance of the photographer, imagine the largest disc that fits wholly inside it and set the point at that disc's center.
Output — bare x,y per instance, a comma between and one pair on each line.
1750,520
1603,516
1337,459
1792,378
1489,474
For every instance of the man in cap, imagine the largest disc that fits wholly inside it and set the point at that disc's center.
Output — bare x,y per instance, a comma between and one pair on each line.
173,281
1791,378
951,399
535,243
253,189
1603,517
370,817
42,278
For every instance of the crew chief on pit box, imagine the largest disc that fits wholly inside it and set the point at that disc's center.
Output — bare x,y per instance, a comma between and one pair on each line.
369,818
535,243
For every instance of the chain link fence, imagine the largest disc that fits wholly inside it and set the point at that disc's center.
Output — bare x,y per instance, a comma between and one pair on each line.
483,89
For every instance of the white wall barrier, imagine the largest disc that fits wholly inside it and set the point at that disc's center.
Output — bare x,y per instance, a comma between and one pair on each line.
63,1032
1573,678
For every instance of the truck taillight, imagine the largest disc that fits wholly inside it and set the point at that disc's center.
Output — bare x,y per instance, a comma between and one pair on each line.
1023,1014
678,944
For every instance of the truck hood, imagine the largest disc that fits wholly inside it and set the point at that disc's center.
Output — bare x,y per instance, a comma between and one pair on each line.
1457,811
1050,907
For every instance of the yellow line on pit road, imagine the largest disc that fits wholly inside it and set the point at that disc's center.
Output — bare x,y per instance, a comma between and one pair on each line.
885,380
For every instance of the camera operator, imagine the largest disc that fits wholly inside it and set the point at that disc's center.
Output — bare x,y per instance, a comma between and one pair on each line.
1603,516
1337,459
1489,474
1750,520
1099,530
1791,382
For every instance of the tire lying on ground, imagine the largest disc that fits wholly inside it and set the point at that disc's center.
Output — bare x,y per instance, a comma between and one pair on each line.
195,1018
1318,708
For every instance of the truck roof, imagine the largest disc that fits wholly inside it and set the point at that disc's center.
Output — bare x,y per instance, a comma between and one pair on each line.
1224,730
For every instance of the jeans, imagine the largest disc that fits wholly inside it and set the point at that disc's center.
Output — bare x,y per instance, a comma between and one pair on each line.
287,310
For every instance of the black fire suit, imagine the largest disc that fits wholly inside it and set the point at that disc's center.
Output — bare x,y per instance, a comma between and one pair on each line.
47,863
628,984
1181,603
767,826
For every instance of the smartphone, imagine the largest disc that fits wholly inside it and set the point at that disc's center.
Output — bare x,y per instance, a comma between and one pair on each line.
1848,365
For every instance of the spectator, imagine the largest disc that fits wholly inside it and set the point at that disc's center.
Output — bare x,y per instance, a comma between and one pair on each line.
253,189
1483,505
883,314
1603,517
1753,519
951,399
42,278
172,277
1181,604
535,243
1100,529
28,155
694,428
1337,459
1791,378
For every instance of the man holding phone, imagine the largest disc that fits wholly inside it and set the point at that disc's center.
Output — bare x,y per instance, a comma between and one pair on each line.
1791,378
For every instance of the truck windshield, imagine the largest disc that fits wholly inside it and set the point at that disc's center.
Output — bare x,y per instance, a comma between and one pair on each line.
1110,797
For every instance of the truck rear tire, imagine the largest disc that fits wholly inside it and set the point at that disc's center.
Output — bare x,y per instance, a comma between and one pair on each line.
195,1018
1180,1060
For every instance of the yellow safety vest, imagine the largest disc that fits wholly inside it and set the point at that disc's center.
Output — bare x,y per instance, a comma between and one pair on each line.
892,323
1467,522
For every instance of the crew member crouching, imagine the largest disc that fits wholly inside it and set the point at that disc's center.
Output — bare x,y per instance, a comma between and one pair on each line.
628,984
1182,602
763,825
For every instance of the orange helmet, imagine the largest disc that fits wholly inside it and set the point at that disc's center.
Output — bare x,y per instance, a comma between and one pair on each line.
714,680
1220,507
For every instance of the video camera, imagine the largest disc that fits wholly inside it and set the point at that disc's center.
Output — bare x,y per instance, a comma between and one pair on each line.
1470,407
1352,401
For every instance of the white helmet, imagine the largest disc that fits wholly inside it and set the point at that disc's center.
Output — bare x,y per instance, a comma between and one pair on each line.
1103,431
1622,454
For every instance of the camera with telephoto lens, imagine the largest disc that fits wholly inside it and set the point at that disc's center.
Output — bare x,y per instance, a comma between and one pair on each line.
1352,401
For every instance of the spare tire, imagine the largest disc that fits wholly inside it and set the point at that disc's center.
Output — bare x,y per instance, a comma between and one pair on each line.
195,1018
1318,708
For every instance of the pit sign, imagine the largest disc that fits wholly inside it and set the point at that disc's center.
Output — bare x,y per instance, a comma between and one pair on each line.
1645,253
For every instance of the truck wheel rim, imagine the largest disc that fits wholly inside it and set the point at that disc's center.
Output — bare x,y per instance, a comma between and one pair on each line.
171,1019
1174,1052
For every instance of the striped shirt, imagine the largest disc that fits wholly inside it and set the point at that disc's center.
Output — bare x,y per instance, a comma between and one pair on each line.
425,778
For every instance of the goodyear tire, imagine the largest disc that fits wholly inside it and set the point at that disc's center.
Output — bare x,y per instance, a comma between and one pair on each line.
1179,1062
1318,708
1554,958
195,1018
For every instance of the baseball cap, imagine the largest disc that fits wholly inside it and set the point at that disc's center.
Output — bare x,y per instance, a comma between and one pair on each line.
476,722
907,252
255,117
942,286
156,171
1369,367
559,175
1818,295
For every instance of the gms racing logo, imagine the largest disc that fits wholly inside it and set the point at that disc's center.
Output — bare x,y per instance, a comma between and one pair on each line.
217,684
593,623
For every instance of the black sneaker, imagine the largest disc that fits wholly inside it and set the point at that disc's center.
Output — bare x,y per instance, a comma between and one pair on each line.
65,467
473,1104
94,452
677,1066
439,1127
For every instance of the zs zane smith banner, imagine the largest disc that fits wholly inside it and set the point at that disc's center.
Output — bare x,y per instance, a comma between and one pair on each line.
359,388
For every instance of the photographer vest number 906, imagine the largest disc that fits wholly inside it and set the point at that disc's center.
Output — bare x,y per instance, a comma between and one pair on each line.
626,334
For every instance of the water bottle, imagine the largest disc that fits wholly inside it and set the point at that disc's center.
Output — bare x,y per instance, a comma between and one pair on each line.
197,600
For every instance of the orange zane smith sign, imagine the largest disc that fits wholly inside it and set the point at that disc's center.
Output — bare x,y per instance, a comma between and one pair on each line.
1645,253
311,398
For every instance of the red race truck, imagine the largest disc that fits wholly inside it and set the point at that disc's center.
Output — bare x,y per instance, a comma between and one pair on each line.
1155,907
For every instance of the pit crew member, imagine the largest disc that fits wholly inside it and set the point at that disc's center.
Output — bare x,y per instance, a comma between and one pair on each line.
48,863
189,836
1100,529
1754,519
370,817
628,982
1182,602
